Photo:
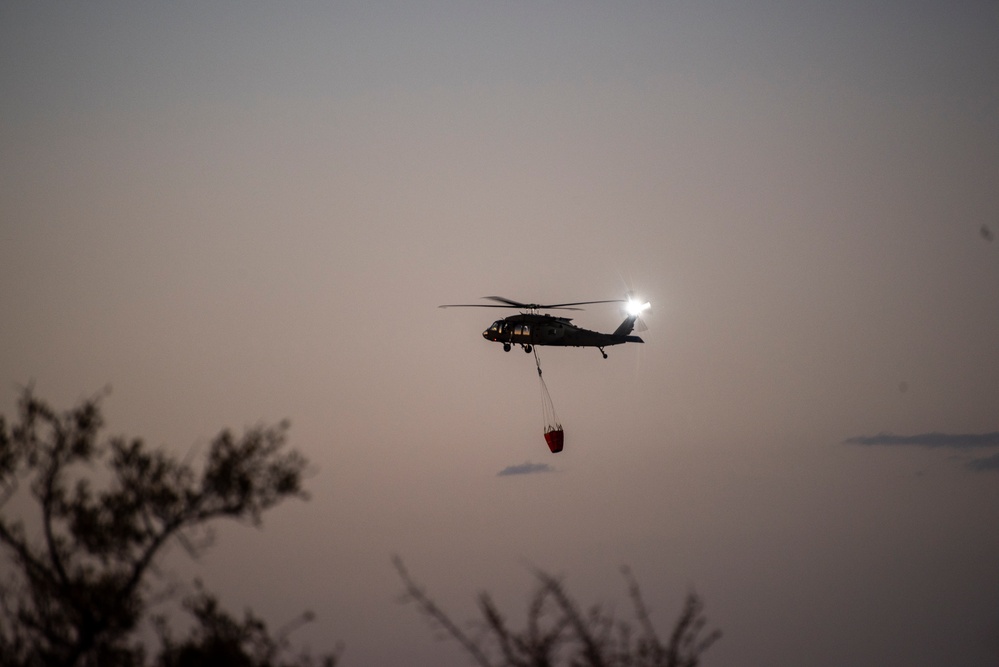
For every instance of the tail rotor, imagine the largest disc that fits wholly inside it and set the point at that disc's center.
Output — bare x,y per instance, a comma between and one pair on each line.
636,307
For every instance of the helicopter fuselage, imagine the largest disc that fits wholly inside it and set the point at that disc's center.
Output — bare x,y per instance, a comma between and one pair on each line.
528,329
531,328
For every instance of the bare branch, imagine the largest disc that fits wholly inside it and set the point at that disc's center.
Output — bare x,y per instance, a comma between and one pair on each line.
570,636
429,608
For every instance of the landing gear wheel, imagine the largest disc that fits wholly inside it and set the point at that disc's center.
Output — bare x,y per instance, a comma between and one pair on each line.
527,348
506,347
602,352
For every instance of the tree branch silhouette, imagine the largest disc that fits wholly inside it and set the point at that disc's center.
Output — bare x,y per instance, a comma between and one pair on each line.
559,632
76,596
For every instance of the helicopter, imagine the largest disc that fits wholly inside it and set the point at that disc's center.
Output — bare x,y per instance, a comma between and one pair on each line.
532,328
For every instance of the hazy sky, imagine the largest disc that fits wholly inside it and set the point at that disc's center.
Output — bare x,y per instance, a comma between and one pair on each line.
240,212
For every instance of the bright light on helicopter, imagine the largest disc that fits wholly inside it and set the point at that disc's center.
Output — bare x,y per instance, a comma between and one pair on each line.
635,307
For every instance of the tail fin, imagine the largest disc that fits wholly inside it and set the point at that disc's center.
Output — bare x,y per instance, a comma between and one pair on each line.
627,326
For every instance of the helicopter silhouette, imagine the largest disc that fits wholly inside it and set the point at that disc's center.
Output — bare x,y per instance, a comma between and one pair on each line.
532,328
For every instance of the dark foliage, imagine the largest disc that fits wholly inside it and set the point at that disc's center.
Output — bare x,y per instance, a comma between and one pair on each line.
80,582
559,632
220,639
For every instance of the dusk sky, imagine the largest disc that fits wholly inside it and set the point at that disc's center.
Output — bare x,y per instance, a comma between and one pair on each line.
235,213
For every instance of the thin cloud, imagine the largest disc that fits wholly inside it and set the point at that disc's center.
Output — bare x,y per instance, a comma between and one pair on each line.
946,440
987,463
962,441
525,469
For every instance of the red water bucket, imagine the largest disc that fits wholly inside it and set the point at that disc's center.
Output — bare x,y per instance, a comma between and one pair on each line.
555,439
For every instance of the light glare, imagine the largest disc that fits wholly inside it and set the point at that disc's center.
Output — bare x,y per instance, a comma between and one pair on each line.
635,307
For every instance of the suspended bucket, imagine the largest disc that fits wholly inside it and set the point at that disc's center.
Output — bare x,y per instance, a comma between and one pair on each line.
555,438
554,435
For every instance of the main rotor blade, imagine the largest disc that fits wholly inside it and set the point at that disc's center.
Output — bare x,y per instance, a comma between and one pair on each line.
580,303
510,303
545,306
